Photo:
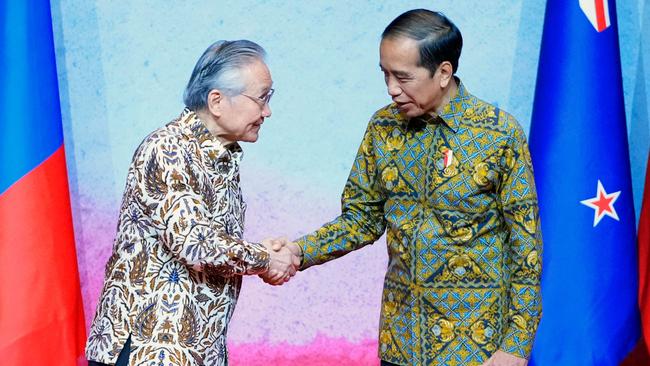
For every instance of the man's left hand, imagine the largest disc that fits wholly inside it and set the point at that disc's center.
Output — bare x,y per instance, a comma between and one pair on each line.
500,358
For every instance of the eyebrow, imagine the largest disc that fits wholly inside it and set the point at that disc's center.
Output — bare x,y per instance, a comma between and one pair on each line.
402,74
264,90
399,74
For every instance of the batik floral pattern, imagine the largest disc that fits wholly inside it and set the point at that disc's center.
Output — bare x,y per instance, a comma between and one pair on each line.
173,278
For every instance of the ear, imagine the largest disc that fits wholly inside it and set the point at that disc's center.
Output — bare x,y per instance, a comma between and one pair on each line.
215,102
446,73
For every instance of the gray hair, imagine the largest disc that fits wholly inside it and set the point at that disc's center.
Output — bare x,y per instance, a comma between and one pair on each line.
219,68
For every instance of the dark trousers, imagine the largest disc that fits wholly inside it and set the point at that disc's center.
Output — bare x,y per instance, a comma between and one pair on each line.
386,363
122,358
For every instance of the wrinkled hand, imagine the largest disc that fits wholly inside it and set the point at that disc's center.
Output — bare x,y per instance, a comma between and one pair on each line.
500,358
284,261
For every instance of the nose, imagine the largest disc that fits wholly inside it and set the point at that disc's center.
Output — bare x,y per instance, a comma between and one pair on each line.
393,87
266,110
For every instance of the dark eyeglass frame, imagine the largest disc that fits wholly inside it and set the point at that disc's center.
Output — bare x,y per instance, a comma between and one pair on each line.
264,100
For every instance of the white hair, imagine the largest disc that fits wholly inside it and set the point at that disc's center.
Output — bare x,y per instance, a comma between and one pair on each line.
219,68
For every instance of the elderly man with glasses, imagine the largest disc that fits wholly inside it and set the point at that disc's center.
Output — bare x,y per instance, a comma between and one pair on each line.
178,258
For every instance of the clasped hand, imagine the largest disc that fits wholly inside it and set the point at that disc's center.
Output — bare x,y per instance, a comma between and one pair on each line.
500,358
284,261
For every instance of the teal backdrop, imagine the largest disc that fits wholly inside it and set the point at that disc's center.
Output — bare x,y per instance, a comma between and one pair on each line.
122,67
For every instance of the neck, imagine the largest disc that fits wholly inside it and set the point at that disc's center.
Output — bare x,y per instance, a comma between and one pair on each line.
211,124
449,92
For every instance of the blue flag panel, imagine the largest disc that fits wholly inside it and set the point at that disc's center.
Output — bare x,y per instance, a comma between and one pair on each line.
578,143
29,98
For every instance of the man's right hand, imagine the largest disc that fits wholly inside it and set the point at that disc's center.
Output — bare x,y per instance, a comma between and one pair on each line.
295,249
284,260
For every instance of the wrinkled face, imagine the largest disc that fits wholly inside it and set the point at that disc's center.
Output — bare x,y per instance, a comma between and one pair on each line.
410,86
242,115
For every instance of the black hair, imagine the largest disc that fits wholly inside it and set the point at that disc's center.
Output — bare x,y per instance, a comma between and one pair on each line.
438,38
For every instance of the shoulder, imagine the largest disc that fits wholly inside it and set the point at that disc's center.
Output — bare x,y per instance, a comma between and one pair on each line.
385,120
168,140
512,127
493,119
387,115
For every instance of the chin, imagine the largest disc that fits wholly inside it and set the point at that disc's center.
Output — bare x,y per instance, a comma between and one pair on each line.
412,113
251,138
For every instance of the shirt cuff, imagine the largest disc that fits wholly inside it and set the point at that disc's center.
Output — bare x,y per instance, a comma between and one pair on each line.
517,342
305,259
263,258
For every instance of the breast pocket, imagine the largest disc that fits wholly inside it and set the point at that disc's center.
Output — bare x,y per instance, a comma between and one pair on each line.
465,197
403,174
469,187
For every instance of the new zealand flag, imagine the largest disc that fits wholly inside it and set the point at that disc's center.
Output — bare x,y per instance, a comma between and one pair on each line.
578,143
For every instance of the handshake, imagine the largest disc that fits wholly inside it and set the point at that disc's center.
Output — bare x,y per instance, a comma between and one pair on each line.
285,257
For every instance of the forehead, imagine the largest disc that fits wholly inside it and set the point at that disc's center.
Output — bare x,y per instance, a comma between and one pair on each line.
256,75
398,52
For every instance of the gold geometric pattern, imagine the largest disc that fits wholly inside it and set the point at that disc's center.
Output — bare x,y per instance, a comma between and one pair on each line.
455,194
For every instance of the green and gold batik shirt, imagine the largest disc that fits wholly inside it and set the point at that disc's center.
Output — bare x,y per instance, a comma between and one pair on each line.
456,196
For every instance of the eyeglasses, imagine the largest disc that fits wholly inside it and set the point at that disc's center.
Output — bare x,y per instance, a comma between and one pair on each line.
263,100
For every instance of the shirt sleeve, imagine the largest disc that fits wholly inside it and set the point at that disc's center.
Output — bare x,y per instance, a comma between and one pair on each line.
179,209
524,249
362,212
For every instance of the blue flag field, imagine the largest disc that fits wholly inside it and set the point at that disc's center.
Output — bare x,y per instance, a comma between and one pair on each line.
578,144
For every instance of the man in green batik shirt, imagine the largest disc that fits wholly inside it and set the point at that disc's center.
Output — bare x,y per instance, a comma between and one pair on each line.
449,177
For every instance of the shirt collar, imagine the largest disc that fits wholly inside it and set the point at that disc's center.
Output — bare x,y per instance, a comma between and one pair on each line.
453,111
207,141
451,114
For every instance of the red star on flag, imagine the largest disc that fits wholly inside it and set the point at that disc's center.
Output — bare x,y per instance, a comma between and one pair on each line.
603,204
